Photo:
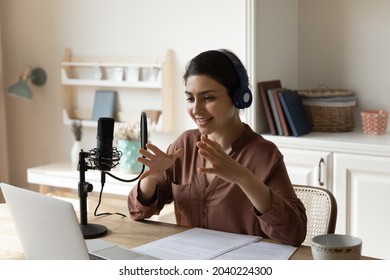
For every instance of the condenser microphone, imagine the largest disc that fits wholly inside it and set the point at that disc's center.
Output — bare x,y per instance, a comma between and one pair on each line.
104,138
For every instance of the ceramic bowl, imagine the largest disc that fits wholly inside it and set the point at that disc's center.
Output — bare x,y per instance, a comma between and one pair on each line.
336,247
114,73
149,74
87,72
132,74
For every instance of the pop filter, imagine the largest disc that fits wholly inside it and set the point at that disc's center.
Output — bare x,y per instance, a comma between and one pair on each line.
143,130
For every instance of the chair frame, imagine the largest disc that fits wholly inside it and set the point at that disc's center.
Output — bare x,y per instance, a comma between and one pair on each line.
301,191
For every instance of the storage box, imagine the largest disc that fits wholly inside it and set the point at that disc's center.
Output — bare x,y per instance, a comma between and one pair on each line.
374,121
329,110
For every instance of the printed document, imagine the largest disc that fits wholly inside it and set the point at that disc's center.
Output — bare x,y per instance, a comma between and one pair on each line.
206,244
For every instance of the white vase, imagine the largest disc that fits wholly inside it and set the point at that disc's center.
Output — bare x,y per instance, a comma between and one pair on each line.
75,151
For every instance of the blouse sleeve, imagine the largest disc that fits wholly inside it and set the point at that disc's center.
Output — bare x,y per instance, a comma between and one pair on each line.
140,209
286,222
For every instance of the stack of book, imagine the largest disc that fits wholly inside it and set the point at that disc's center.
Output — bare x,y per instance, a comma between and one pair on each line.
283,109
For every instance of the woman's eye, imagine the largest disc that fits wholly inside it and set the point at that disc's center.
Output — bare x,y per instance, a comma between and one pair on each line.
204,98
190,99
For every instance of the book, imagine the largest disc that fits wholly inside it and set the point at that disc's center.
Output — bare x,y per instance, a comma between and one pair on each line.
282,117
104,104
262,89
295,112
274,112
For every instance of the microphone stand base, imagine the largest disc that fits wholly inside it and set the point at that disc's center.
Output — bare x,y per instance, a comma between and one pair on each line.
93,230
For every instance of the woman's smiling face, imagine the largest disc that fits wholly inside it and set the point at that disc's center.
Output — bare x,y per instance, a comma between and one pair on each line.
209,104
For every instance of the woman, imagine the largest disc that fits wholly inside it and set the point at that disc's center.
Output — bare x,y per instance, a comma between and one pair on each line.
223,175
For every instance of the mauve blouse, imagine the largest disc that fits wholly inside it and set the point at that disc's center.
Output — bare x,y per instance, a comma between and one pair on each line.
222,205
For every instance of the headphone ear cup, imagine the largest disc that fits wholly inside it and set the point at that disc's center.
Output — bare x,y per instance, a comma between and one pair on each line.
243,98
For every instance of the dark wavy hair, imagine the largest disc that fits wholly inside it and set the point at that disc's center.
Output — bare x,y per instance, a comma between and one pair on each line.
217,66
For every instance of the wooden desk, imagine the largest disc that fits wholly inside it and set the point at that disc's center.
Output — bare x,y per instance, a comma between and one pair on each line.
123,231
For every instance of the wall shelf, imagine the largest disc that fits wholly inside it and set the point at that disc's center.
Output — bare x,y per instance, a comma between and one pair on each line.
145,83
65,80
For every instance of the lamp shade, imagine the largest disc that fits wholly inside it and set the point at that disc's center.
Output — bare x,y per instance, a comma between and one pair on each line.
21,88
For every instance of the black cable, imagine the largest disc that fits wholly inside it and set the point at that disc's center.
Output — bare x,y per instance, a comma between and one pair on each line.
101,192
99,161
105,213
127,180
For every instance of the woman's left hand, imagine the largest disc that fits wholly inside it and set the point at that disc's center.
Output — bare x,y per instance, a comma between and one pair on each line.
222,164
225,167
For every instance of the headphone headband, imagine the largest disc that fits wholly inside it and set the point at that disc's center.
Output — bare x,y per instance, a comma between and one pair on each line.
242,97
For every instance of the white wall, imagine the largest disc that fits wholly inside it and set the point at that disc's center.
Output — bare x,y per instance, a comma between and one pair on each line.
3,136
340,43
346,44
277,41
276,53
37,32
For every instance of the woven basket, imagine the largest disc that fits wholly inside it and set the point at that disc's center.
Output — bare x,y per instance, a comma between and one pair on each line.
324,92
331,115
374,122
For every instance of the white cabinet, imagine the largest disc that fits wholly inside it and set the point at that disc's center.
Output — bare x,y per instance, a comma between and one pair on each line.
306,167
362,189
141,85
357,171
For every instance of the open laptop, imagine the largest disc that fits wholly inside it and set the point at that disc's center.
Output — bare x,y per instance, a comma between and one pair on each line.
48,229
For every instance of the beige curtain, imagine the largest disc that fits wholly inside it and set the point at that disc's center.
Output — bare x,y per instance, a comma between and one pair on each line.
3,131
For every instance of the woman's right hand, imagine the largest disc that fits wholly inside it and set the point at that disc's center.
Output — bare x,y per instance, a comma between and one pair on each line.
156,160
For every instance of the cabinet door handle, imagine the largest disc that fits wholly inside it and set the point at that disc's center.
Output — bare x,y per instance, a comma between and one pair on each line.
320,165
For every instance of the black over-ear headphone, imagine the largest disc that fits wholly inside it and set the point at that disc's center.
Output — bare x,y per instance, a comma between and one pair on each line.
242,97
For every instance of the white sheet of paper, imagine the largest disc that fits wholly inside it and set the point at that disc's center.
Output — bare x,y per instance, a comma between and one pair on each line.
195,244
260,251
